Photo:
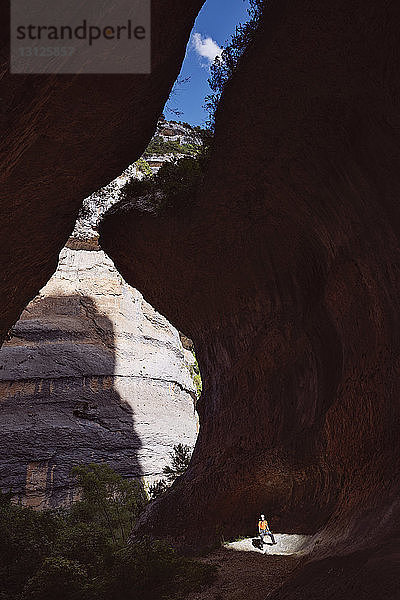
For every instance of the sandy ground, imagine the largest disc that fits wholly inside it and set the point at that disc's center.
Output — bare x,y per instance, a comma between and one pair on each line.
247,573
286,544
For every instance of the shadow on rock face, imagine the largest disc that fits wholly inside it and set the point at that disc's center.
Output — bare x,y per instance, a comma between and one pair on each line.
59,406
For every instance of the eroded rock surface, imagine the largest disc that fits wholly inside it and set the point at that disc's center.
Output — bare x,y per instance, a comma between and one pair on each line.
65,136
285,273
92,373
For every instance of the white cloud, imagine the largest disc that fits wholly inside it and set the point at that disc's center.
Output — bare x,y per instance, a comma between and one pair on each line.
206,47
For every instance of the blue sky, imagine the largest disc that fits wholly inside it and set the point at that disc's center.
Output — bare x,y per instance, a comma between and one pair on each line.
213,28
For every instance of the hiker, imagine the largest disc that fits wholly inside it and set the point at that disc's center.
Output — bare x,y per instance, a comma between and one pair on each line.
263,530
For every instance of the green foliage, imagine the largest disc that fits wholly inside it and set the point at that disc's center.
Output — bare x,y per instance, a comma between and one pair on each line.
108,500
58,579
152,569
180,459
27,537
196,376
224,66
143,166
160,147
82,554
179,179
176,182
157,488
88,543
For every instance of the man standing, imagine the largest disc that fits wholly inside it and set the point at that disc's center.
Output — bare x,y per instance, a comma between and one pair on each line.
263,530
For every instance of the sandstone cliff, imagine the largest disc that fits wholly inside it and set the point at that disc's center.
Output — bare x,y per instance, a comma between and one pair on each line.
91,373
285,273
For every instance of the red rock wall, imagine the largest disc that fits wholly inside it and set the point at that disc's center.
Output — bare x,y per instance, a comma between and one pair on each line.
63,137
285,273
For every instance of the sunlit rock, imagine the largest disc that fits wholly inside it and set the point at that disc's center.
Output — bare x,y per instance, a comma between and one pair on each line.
92,373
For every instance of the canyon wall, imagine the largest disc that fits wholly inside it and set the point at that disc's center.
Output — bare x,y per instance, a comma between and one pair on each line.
91,373
65,136
284,271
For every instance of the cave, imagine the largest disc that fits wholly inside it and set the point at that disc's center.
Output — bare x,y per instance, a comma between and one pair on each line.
284,271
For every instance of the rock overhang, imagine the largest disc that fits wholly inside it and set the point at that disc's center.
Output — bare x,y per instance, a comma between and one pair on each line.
285,274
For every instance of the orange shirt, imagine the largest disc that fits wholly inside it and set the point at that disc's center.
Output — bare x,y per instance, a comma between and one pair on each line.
263,525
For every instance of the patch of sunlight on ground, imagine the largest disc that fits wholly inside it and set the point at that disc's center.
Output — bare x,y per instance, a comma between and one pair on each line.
285,544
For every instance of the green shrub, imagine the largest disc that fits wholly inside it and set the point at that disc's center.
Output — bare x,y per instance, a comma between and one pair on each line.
58,579
158,488
223,67
143,166
196,376
88,543
108,500
82,553
152,569
180,458
175,184
27,537
160,147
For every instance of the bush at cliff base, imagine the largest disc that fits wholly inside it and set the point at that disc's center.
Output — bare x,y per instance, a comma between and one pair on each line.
82,553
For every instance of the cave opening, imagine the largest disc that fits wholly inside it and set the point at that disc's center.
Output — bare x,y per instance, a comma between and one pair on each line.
283,271
97,376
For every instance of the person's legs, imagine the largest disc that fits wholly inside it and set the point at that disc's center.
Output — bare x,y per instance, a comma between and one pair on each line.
271,535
